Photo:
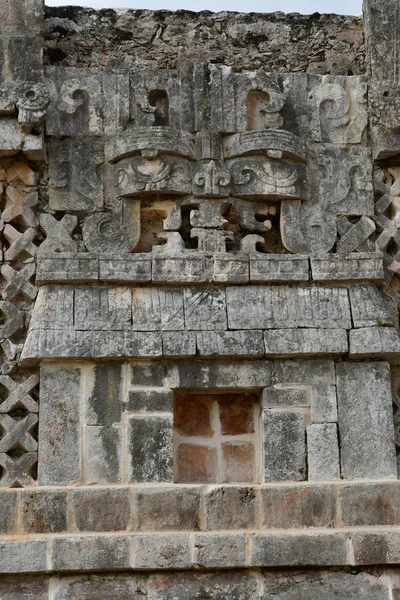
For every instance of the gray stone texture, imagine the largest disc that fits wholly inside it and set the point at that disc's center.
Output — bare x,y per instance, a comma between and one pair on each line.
275,550
230,508
103,449
92,553
219,551
222,374
284,439
150,401
365,421
60,426
370,504
162,552
286,307
323,452
43,511
298,506
101,510
237,585
8,514
105,403
168,509
150,449
314,585
24,588
105,587
25,556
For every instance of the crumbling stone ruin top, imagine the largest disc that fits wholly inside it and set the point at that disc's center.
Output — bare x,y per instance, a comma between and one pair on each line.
199,332
276,42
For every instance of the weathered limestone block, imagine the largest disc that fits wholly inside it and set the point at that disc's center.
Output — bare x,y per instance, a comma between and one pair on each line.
285,550
54,308
103,455
27,556
219,551
287,507
231,268
168,509
91,553
44,511
9,512
337,109
157,309
77,102
355,266
75,174
60,426
368,308
162,552
278,307
101,510
375,548
13,320
71,267
111,587
291,585
102,308
18,471
278,268
129,268
231,507
370,342
150,449
304,372
250,374
104,402
323,452
205,309
284,445
305,341
355,236
238,585
230,343
181,269
365,421
20,244
370,504
18,282
176,344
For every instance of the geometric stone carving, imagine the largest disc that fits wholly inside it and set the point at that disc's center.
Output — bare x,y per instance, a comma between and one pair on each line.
19,206
16,470
58,233
19,394
18,282
16,433
32,100
113,233
20,243
13,320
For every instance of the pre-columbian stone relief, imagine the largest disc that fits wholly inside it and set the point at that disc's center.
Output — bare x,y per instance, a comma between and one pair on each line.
199,333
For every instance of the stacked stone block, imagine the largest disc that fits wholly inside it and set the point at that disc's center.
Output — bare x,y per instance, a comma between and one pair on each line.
214,320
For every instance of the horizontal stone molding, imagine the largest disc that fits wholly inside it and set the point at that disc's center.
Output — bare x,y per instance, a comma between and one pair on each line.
212,509
170,551
197,267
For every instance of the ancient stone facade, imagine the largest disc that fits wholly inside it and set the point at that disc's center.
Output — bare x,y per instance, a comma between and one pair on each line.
200,349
